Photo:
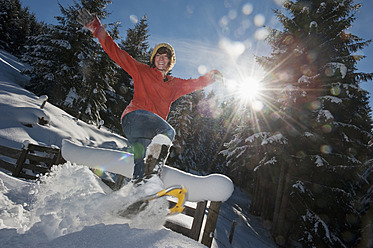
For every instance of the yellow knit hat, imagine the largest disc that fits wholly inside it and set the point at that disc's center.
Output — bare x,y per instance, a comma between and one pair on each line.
173,57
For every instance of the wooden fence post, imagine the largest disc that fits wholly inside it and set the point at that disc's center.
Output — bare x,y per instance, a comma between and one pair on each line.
212,219
20,161
232,231
118,182
198,220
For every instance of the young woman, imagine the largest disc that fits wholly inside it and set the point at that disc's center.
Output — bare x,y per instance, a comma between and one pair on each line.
144,119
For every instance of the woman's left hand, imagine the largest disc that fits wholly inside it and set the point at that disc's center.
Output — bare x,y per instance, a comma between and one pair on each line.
85,17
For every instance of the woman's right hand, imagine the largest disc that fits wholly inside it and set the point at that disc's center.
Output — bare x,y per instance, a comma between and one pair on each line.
217,76
85,17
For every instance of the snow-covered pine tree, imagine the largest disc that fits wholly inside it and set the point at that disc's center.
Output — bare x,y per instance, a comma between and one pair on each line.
136,43
93,71
199,132
314,132
70,66
365,205
209,133
180,119
16,23
45,53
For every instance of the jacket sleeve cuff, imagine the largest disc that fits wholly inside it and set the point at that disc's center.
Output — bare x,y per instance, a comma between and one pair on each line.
94,26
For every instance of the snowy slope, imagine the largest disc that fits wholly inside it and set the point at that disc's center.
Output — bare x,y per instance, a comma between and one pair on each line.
72,208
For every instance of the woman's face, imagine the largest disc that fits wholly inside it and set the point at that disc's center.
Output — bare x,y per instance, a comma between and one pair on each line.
161,62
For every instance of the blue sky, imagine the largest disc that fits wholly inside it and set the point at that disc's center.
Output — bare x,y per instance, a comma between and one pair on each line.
209,34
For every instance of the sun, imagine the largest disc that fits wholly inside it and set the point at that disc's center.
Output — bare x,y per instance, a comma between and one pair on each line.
245,89
249,88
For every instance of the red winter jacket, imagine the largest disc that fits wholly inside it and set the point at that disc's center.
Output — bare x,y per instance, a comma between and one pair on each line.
151,92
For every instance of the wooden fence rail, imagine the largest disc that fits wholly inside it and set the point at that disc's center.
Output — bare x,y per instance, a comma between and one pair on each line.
197,214
39,160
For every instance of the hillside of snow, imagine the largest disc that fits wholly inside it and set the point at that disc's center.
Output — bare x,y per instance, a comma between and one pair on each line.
72,207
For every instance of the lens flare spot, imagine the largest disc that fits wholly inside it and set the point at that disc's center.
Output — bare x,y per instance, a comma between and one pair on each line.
326,149
98,172
301,154
234,48
279,2
335,91
245,24
284,76
315,105
224,22
232,14
202,69
247,9
259,20
329,72
261,34
134,19
125,156
257,105
275,116
327,128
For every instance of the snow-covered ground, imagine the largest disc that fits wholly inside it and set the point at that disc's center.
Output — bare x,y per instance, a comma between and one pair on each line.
72,207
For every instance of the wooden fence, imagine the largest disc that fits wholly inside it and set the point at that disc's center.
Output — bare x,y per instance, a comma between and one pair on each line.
198,214
34,159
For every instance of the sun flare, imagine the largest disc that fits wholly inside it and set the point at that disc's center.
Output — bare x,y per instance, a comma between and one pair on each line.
247,89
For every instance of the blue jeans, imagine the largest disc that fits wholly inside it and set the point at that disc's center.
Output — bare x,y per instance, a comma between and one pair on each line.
140,127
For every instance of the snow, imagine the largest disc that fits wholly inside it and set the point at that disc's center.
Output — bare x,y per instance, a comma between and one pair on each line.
300,186
319,161
71,97
332,99
304,80
71,206
325,115
267,138
335,67
313,24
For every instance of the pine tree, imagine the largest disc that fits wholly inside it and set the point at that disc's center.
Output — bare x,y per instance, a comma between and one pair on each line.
16,23
199,134
208,136
94,72
41,54
312,141
136,43
180,119
70,66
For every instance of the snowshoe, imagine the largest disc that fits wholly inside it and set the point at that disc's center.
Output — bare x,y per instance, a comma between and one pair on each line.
177,191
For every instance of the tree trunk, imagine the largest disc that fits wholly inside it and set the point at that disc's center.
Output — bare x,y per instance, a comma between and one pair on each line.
280,229
263,198
279,194
254,201
367,229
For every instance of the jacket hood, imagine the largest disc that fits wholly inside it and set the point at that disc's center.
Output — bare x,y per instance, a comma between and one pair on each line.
173,57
